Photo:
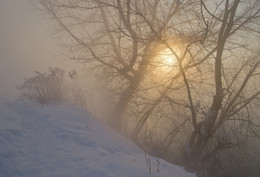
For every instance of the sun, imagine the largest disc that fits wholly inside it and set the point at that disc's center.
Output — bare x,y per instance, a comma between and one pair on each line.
163,66
168,58
165,63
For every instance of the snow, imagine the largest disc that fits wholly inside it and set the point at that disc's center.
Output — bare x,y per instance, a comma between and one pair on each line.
65,141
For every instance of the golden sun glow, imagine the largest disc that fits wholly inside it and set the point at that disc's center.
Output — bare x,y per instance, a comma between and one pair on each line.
168,58
163,66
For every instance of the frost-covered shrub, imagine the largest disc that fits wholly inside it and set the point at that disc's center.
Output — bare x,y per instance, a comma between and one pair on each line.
55,86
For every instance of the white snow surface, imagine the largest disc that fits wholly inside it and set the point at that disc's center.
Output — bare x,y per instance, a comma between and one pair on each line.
66,141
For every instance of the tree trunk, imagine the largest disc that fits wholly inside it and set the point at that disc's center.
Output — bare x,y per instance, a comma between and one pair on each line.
120,107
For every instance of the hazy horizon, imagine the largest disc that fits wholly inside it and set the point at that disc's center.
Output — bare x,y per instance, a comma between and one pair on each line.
26,45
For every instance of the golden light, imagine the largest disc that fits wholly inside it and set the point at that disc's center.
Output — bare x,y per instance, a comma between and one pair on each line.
161,68
168,59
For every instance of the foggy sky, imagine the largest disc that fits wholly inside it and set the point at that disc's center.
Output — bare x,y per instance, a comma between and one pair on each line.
26,44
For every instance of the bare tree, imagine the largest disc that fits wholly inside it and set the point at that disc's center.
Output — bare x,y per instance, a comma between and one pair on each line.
234,66
123,38
212,81
231,100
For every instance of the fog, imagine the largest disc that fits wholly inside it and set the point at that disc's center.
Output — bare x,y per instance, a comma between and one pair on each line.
26,45
187,111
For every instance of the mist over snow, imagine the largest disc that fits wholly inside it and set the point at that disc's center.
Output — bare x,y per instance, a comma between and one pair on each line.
27,44
62,140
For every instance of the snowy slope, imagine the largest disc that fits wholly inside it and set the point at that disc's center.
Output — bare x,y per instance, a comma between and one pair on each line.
64,141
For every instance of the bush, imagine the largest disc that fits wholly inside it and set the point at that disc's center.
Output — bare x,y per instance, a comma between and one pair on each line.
55,86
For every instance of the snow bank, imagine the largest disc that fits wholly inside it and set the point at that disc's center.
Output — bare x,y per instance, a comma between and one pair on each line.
65,141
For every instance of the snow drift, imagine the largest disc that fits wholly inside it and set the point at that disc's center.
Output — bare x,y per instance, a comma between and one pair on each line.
65,141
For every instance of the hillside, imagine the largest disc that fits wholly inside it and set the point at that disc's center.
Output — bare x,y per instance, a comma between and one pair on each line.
65,141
